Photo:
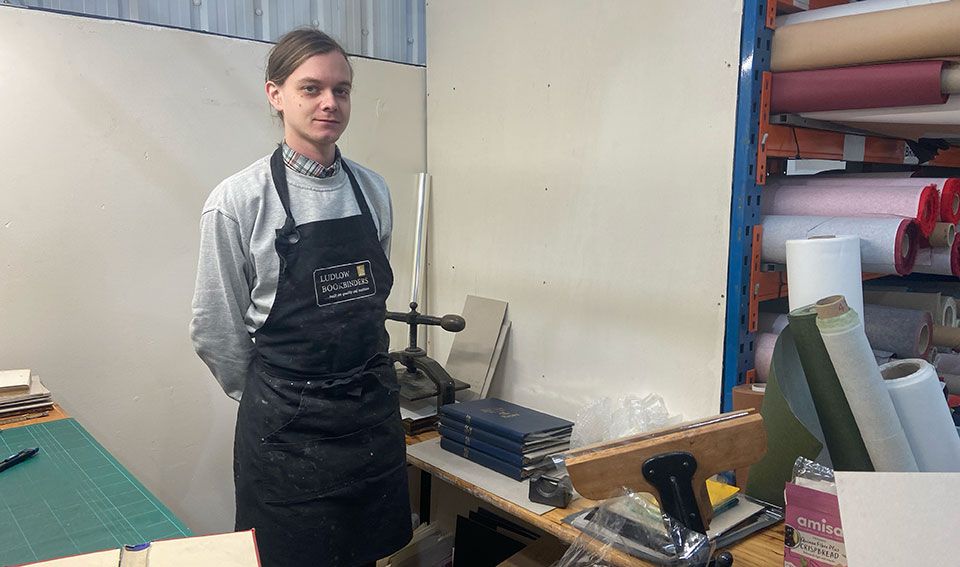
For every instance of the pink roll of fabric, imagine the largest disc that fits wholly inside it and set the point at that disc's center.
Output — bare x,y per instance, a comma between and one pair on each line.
948,188
909,83
816,195
943,261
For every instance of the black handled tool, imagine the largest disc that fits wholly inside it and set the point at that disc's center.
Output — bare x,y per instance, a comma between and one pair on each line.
18,458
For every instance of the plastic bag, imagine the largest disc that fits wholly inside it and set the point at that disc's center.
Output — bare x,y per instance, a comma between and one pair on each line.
608,419
633,525
813,475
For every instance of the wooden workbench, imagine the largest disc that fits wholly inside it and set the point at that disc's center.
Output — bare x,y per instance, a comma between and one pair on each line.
762,549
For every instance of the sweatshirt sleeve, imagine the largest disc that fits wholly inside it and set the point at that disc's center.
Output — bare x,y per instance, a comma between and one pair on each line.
221,298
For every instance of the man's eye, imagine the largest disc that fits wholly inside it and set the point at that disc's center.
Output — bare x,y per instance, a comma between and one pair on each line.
310,89
343,92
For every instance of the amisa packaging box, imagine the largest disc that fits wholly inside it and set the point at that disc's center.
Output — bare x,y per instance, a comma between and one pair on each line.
813,536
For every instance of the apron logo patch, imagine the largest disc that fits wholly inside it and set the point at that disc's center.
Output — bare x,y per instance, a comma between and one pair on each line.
345,282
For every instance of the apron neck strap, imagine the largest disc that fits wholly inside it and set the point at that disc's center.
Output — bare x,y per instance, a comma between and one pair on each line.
278,170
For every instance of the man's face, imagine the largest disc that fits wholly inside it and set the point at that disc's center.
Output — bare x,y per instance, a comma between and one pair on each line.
315,101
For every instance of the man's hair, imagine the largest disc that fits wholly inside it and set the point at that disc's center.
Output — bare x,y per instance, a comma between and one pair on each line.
294,48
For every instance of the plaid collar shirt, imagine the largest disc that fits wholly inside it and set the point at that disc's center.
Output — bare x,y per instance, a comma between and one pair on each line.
306,166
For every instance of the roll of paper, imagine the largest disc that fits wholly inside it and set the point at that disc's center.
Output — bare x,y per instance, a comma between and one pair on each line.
947,363
946,113
849,9
904,332
916,32
840,431
948,188
858,373
943,261
763,345
818,267
771,322
943,235
813,196
946,336
887,245
908,83
948,310
917,396
922,301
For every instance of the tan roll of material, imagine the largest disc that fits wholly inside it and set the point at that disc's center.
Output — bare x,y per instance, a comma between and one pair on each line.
950,79
946,336
929,302
745,396
917,32
943,234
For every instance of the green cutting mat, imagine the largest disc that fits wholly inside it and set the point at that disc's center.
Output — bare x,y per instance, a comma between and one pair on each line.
72,497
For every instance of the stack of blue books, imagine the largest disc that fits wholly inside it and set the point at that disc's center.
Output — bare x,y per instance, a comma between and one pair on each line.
504,437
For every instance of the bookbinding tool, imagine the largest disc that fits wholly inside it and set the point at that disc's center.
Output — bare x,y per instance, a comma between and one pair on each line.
423,376
673,464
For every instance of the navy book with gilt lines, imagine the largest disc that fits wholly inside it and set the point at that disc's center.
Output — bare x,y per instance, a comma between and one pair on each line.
507,420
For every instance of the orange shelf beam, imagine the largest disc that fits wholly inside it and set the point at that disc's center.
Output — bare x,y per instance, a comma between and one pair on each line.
806,143
773,285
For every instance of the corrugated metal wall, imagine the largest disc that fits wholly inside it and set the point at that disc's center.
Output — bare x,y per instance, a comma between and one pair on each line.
384,29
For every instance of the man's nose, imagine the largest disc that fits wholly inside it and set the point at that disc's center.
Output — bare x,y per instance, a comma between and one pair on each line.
328,101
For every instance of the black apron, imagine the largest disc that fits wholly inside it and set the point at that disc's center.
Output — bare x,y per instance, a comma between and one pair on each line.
319,451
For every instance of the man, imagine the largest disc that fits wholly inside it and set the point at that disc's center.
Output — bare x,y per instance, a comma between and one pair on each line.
289,314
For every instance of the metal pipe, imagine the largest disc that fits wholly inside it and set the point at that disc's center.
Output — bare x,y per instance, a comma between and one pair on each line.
423,187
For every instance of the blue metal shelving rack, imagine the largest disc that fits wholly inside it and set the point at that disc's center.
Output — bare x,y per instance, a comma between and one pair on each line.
745,205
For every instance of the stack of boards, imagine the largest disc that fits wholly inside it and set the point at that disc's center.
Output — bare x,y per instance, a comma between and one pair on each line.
22,392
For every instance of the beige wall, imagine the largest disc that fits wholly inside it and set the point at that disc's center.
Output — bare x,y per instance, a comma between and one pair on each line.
582,156
111,136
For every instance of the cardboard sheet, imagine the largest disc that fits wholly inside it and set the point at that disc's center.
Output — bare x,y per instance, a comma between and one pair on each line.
491,481
236,549
471,355
899,518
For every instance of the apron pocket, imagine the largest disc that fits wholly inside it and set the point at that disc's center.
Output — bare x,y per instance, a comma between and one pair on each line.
299,471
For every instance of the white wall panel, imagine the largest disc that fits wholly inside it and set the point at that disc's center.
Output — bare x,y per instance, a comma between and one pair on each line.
108,156
582,155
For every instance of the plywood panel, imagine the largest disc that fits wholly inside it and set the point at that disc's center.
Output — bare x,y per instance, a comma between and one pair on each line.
582,158
113,136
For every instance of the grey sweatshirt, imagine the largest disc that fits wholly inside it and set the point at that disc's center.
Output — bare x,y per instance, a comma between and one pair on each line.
238,267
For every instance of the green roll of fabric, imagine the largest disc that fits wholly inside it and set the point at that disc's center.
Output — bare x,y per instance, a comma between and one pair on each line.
840,430
787,436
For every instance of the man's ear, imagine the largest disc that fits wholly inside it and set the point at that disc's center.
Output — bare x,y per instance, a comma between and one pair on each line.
274,95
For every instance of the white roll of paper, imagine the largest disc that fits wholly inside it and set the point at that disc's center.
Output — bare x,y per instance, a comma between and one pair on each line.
821,267
859,376
917,396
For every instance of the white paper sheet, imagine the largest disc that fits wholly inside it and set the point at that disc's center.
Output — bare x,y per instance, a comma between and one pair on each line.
893,519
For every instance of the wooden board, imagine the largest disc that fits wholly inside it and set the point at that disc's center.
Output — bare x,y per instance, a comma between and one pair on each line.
723,443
